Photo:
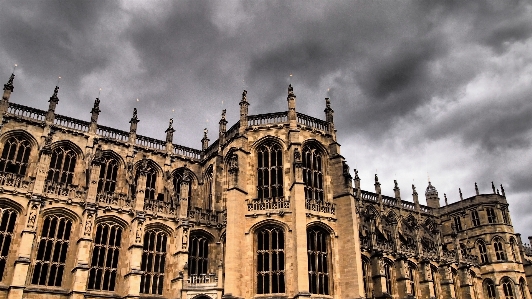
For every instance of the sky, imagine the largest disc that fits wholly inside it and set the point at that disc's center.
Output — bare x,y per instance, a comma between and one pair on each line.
420,89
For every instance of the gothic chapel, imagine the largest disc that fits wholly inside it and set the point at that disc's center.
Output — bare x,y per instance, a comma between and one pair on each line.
268,210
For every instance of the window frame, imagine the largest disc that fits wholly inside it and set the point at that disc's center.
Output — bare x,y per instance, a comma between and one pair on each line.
152,288
106,248
62,173
326,274
7,231
315,172
266,188
269,253
16,160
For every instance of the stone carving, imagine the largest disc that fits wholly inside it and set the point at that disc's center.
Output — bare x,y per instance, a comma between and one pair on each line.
33,216
88,225
184,238
138,233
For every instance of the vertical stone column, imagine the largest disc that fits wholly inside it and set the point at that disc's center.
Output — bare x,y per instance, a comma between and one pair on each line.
134,274
22,263
244,104
297,197
50,115
329,118
426,281
141,185
447,284
133,127
42,168
183,199
80,272
94,175
467,289
378,276
292,115
403,278
180,276
235,232
222,129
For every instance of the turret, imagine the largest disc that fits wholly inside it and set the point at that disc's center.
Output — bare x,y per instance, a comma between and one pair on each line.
431,196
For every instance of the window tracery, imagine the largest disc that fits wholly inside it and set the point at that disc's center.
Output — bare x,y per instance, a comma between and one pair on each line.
508,289
198,255
108,173
490,289
366,276
270,171
313,174
482,252
498,245
492,218
475,219
270,260
153,262
15,155
8,218
104,261
182,181
62,165
49,264
318,260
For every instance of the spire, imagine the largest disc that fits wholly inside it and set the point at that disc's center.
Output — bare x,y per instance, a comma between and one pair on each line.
50,116
445,197
396,190
244,104
170,131
431,196
502,191
95,112
291,98
205,140
9,85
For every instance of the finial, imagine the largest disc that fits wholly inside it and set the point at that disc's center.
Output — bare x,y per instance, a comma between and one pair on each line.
327,102
396,186
170,123
414,189
502,191
134,119
290,90
493,187
223,114
205,131
244,95
56,90
445,197
460,191
376,179
476,188
9,85
356,174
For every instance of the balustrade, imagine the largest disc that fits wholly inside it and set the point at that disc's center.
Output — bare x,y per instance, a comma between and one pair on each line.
63,189
312,122
203,216
150,142
26,112
320,206
71,123
107,132
13,180
159,207
262,204
267,119
114,199
187,152
202,280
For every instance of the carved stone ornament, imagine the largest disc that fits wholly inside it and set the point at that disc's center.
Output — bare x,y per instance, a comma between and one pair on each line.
88,225
138,233
33,216
184,238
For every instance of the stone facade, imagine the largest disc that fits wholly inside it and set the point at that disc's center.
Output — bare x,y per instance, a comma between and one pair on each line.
268,210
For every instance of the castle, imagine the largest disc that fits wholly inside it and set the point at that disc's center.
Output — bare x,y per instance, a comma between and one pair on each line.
268,210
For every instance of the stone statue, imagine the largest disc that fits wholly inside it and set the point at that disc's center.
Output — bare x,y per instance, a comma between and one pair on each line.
223,113
184,239
88,225
290,89
297,155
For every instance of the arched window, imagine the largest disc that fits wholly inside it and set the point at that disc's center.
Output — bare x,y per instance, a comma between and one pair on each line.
492,218
8,218
475,219
49,263
198,255
15,156
508,289
108,172
489,288
318,260
153,262
482,252
523,288
207,182
388,276
270,260
515,253
104,262
366,277
498,245
270,170
312,174
62,165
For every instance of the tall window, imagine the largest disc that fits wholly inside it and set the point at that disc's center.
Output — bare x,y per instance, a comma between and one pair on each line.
198,255
318,261
388,277
52,251
515,254
207,203
104,262
366,276
108,172
8,219
457,223
456,283
270,261
182,177
62,165
492,218
15,156
475,219
505,218
508,289
312,174
151,179
482,252
498,245
270,171
153,262
490,289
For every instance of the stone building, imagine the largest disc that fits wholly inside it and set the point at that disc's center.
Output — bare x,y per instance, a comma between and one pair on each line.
268,210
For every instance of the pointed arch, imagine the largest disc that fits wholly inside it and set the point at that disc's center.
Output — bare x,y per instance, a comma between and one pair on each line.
17,147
